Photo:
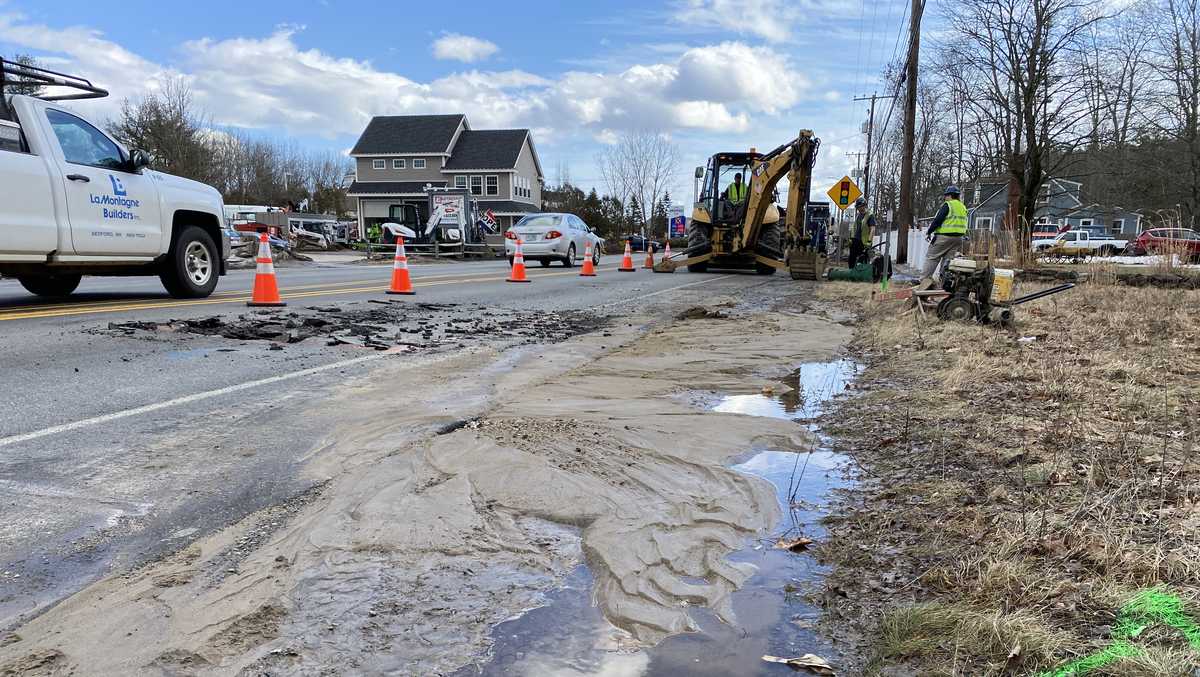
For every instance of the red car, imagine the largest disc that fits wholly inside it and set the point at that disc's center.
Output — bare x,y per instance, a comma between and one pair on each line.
1184,241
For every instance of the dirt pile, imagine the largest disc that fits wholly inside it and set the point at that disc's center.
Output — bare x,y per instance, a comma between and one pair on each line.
420,543
378,324
1020,488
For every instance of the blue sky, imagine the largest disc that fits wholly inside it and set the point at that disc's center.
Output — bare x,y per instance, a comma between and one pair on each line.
713,74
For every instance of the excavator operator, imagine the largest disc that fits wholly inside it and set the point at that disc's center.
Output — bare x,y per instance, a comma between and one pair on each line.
736,191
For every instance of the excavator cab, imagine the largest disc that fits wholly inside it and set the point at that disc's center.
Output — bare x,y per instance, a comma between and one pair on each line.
718,176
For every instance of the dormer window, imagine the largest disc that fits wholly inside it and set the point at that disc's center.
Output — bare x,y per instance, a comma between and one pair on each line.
398,163
419,163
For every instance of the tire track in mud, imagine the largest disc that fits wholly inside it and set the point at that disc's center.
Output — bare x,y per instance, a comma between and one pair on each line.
417,548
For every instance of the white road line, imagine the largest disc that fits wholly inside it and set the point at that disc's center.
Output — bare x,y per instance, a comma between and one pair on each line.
197,397
664,291
187,399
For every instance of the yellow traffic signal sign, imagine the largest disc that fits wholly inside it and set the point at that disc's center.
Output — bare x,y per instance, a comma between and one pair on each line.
844,193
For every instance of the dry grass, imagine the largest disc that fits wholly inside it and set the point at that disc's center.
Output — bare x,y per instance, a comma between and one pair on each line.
1021,490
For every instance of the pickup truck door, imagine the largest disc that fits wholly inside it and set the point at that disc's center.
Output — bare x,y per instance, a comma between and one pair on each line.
113,211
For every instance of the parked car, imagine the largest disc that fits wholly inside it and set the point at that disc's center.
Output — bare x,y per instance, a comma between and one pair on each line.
639,243
550,237
1173,240
1080,242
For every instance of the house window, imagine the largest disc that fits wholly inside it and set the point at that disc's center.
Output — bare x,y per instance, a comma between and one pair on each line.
1118,225
476,185
983,223
398,163
460,181
379,164
493,185
1086,223
419,163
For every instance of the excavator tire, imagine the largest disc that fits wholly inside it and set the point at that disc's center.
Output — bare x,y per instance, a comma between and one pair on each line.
698,244
770,241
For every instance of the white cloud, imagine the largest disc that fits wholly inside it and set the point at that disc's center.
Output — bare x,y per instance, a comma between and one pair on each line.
463,48
273,83
771,20
768,19
733,72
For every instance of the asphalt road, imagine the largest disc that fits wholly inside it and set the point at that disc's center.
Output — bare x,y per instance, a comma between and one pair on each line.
115,449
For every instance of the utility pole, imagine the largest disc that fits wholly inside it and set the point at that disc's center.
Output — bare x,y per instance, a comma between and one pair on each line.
857,163
905,215
870,133
870,136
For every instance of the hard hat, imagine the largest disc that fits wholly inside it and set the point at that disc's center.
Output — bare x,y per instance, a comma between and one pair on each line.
952,190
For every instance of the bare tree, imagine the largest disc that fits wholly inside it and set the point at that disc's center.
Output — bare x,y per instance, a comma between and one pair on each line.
639,165
19,85
1023,84
1176,46
166,125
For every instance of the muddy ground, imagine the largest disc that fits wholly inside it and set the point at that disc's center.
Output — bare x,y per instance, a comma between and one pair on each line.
513,468
1019,487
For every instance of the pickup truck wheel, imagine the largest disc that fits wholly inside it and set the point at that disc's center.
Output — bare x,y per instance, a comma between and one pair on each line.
50,285
190,271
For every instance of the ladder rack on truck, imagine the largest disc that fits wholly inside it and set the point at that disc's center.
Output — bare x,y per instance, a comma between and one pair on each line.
16,73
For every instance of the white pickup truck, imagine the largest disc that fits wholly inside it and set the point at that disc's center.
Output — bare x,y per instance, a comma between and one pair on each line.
1080,243
74,202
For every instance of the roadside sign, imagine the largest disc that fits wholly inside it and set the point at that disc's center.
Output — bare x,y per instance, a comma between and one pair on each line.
844,193
676,223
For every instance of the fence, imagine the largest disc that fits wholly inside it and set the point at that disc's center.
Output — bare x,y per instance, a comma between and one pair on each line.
443,250
995,245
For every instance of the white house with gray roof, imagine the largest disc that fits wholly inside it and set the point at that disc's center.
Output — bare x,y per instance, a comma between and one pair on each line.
398,156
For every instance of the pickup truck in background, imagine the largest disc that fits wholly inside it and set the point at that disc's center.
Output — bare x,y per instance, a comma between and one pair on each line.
75,202
1080,243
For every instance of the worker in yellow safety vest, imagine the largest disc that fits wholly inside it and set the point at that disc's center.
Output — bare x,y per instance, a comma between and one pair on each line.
736,191
864,231
945,234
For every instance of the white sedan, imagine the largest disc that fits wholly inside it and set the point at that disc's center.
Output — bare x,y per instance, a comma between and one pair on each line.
550,237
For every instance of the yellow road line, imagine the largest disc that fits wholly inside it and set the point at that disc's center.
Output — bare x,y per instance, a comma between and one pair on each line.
66,311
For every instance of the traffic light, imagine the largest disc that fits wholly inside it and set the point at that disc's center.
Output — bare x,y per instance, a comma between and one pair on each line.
844,194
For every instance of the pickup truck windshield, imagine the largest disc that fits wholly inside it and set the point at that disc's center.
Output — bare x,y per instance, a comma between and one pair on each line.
83,144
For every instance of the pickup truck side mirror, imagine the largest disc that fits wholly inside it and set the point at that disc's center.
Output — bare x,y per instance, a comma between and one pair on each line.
138,159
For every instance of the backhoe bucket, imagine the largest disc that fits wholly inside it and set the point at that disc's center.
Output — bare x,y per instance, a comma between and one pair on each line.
806,264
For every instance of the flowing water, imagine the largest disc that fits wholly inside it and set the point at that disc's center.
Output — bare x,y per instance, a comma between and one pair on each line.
569,637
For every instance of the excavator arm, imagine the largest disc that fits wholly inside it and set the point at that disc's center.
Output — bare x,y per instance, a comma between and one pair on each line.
795,159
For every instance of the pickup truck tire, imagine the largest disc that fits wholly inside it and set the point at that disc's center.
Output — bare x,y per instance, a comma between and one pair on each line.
50,285
1108,250
192,265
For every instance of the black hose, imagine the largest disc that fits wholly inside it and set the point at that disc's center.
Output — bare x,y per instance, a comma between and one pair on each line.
1039,294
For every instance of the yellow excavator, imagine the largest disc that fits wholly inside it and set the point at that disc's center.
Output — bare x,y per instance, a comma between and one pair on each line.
753,233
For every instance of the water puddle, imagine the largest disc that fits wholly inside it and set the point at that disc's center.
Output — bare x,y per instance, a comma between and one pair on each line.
569,637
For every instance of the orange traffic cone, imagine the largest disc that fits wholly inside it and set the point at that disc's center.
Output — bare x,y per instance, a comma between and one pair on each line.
649,263
266,291
666,257
627,260
401,284
589,268
518,266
